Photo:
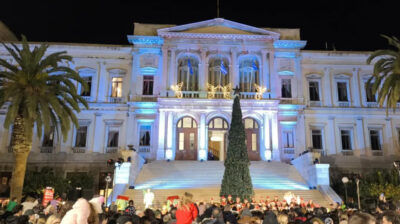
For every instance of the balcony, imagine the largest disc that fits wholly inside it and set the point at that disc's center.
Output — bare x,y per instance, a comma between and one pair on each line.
144,148
377,152
115,99
190,94
247,95
46,149
319,151
87,98
288,151
344,104
372,104
111,149
78,149
315,103
347,153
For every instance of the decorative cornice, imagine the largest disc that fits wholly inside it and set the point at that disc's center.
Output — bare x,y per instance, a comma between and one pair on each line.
145,40
296,44
217,36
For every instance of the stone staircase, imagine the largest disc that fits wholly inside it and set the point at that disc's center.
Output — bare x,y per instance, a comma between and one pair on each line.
203,180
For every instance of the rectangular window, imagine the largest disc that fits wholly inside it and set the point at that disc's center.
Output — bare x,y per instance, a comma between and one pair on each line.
314,90
48,138
145,132
370,95
375,139
116,88
148,81
81,133
288,141
346,139
191,138
88,80
286,88
253,142
316,139
342,91
181,141
112,140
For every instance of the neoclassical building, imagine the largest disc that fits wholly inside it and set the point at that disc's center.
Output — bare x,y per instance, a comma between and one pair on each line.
168,95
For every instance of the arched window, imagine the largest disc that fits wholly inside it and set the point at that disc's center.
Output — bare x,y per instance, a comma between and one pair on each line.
218,71
218,123
249,72
188,73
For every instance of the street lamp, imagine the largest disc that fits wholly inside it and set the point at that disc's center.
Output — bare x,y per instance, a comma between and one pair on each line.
345,180
108,180
358,193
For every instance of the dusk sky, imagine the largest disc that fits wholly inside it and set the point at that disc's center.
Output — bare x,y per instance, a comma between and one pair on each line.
348,25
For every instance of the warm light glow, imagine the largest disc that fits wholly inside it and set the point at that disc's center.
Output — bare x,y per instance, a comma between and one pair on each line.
168,154
260,91
216,138
178,89
268,154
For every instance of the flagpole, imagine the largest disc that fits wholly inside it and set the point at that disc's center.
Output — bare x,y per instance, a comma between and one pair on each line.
217,8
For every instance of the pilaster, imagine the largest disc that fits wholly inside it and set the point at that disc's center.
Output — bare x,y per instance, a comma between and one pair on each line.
161,136
275,136
267,135
331,137
360,136
172,68
327,90
265,71
355,91
203,73
234,68
388,138
103,81
98,129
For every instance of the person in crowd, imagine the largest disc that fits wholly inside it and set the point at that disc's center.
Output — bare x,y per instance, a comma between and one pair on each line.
53,219
362,218
187,211
16,218
390,217
130,209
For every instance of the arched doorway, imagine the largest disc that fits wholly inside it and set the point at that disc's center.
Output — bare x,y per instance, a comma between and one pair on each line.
217,138
186,139
252,138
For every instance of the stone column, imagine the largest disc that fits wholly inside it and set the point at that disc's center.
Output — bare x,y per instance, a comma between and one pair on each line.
161,136
172,68
299,80
202,135
267,136
327,88
300,141
234,68
103,82
275,136
388,140
203,73
164,73
355,91
360,136
265,71
273,77
130,130
330,137
98,130
170,132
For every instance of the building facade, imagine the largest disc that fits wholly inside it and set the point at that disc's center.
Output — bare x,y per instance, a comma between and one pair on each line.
168,95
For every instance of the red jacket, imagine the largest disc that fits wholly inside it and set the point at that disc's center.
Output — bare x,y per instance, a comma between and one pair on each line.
186,216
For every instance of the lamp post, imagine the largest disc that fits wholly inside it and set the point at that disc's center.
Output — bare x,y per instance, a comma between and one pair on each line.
108,180
345,180
358,193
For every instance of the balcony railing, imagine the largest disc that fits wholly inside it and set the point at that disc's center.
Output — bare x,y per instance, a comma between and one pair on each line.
78,149
289,151
87,98
115,99
190,94
377,152
46,149
347,153
344,104
144,98
372,104
247,95
144,148
320,151
315,103
111,149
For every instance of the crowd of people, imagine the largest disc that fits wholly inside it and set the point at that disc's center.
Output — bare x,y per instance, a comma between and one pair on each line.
186,211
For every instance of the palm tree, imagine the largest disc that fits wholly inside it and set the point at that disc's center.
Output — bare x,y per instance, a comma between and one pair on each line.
38,90
386,77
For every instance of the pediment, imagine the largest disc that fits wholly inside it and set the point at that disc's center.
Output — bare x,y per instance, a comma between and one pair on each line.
217,28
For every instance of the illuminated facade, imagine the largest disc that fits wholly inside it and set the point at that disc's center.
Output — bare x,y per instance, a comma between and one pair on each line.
168,95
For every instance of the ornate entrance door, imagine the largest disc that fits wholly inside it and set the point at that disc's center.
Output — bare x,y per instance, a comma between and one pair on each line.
186,139
252,138
217,139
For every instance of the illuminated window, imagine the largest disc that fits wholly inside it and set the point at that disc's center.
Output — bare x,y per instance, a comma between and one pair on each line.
218,71
81,135
286,88
181,141
116,88
249,75
254,142
191,141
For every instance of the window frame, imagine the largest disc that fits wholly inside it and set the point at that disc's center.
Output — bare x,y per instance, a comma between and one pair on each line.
351,139
290,85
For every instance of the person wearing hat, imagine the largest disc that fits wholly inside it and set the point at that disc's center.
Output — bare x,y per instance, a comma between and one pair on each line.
31,216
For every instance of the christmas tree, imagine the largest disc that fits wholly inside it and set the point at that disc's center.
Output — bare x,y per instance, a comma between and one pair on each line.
237,180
